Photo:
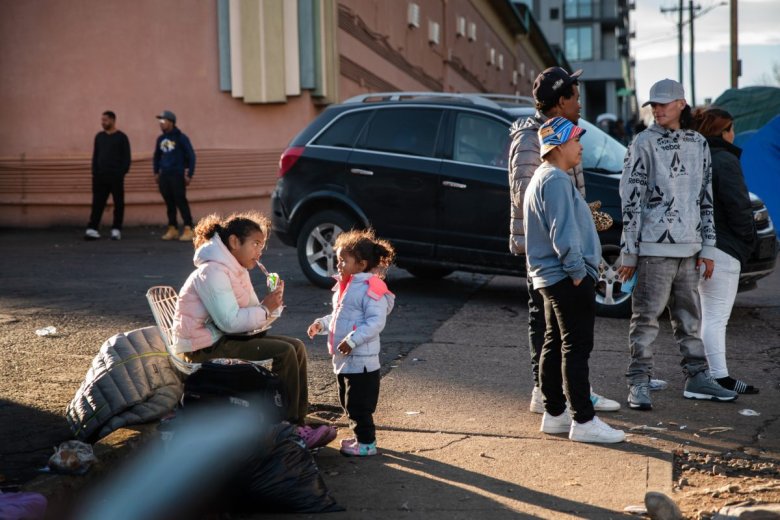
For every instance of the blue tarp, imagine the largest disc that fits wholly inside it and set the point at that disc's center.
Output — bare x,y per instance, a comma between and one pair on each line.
761,166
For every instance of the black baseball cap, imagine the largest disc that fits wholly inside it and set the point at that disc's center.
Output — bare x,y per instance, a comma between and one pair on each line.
551,81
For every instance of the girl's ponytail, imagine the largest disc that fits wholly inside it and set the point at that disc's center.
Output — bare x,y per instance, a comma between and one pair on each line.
206,228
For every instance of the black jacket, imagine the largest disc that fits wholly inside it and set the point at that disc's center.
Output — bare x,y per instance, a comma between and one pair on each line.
111,154
734,227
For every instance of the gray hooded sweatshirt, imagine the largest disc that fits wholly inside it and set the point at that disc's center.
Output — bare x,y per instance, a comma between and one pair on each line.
523,161
666,190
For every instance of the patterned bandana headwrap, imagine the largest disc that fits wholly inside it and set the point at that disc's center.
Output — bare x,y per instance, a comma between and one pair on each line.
556,131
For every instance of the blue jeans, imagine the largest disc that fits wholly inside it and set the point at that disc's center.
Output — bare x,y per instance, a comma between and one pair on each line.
665,282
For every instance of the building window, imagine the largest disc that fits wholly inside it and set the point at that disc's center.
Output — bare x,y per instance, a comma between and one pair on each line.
578,9
579,43
554,13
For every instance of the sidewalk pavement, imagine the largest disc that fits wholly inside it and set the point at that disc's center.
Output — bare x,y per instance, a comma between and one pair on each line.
457,441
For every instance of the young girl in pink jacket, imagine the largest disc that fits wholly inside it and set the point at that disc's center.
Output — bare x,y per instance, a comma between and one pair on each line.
218,306
361,303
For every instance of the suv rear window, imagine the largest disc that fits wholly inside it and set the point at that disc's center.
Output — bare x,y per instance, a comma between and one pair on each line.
410,131
344,131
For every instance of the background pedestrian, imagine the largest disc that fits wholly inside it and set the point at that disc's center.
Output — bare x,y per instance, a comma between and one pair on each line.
174,166
110,164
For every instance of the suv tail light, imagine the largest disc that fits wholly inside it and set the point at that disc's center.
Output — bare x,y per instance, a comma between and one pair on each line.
289,158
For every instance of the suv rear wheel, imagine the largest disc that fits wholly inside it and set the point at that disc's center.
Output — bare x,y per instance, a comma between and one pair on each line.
611,302
316,245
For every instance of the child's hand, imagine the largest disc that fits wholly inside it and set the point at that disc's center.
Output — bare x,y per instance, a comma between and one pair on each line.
275,298
344,348
314,329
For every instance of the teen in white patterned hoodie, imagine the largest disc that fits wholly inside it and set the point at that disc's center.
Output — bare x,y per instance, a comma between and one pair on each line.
668,236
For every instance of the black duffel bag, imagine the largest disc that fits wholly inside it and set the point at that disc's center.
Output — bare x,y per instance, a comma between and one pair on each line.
236,382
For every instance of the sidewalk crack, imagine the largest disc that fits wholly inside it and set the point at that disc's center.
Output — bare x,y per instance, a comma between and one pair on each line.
447,445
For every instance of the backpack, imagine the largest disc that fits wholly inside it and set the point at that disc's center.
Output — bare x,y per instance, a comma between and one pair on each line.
236,382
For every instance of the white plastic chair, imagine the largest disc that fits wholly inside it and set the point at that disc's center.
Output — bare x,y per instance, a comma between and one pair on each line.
162,300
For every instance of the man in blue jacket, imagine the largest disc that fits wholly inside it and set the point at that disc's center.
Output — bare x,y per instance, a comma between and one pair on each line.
174,165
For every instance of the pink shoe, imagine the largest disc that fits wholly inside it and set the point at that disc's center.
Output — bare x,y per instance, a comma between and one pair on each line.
316,437
353,448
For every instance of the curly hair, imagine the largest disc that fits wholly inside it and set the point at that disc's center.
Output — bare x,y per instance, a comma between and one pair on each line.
240,224
712,121
365,246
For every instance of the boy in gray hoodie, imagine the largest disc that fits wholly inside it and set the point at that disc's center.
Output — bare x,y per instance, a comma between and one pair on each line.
668,236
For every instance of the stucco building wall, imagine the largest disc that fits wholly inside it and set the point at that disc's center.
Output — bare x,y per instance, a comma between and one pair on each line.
64,63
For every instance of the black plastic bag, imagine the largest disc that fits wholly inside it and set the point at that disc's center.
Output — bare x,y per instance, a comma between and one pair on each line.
285,480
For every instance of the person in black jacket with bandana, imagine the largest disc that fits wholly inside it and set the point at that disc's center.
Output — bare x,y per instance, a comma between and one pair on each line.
736,236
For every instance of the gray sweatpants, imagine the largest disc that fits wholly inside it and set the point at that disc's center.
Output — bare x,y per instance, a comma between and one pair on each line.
662,282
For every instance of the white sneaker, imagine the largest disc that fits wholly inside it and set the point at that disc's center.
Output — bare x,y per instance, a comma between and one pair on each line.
116,234
596,431
91,234
537,401
556,424
602,404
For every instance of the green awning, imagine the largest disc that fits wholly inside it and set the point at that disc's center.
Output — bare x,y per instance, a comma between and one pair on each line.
624,92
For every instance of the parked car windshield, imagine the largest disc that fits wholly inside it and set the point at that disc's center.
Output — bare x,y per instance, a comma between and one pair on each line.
599,150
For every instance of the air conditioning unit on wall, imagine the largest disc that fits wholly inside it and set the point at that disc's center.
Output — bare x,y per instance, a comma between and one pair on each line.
413,15
460,26
433,33
472,32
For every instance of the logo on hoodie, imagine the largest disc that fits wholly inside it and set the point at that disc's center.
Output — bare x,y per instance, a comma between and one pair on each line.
167,145
677,168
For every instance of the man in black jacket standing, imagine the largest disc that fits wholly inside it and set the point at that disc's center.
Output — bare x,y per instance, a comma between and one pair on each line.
110,164
174,165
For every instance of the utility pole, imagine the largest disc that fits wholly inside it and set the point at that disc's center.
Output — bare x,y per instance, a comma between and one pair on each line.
693,75
679,37
736,65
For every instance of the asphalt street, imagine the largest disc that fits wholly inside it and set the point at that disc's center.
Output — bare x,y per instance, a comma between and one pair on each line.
455,436
90,291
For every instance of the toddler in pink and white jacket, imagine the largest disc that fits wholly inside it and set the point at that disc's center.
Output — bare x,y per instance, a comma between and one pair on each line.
361,303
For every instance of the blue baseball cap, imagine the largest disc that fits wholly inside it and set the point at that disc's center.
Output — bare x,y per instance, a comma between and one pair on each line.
556,131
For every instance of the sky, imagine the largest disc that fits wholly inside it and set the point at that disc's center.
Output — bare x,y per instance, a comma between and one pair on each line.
655,45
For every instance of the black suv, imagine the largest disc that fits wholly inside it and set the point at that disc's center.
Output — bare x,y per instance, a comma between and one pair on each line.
428,172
